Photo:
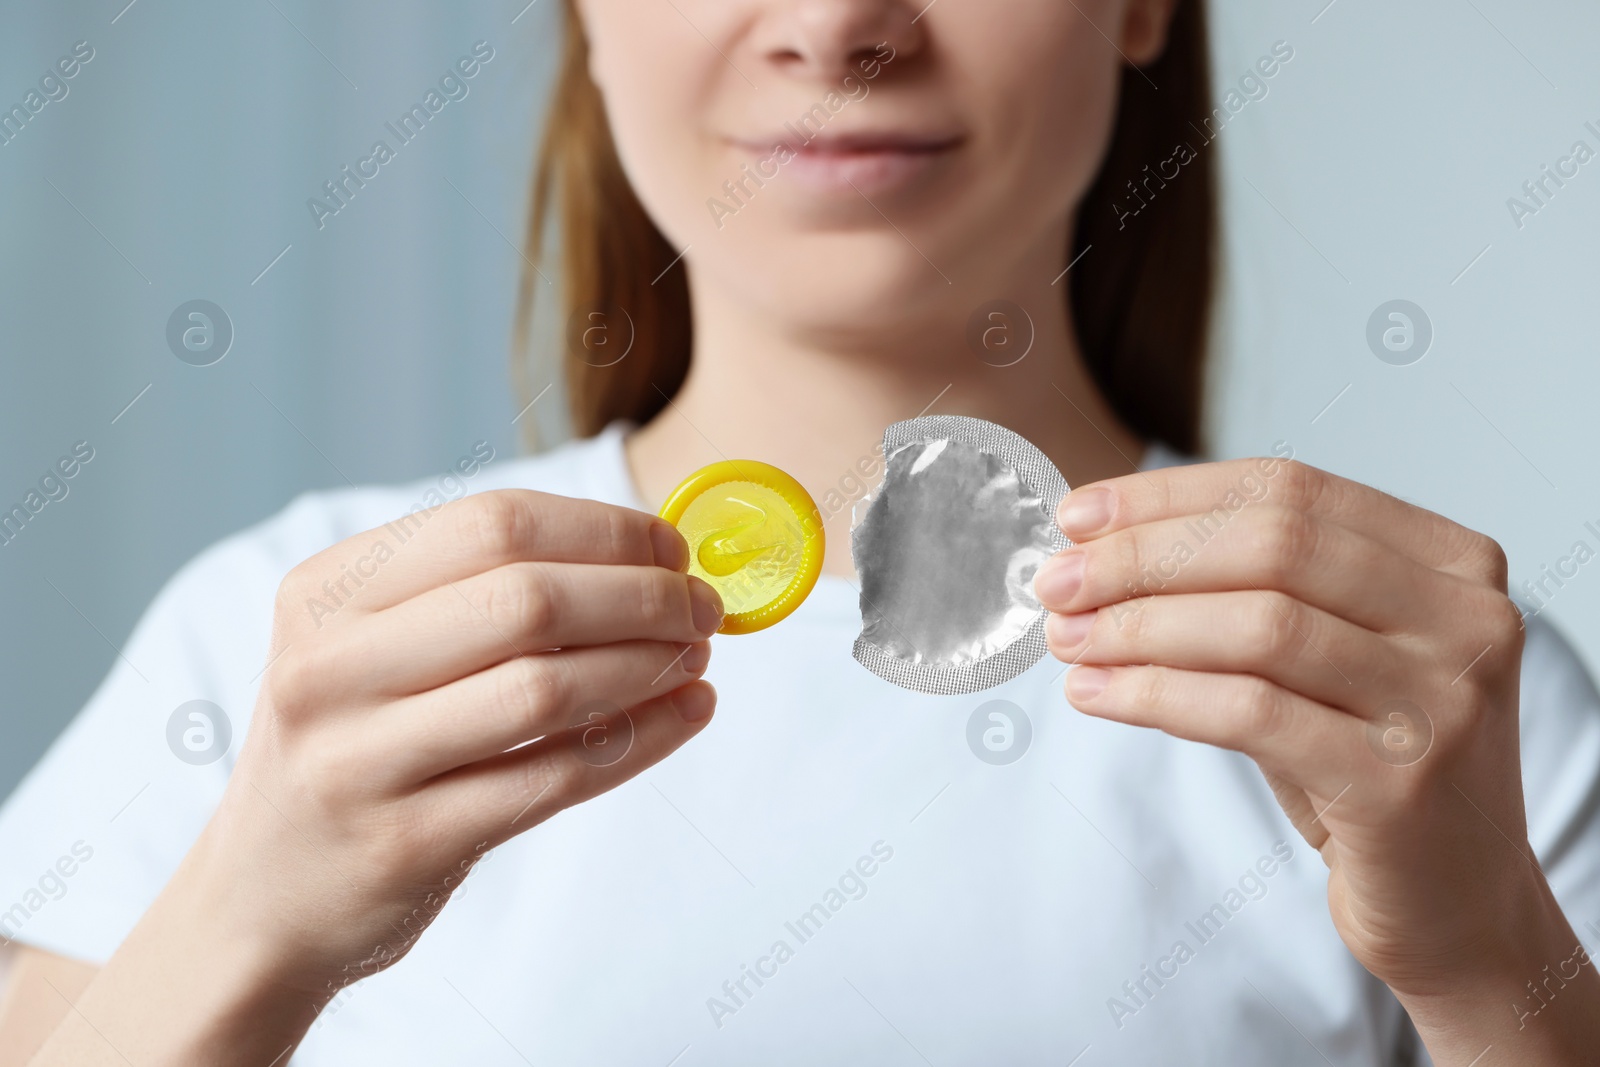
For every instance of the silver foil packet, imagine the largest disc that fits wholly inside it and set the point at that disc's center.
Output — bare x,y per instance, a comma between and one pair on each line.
947,548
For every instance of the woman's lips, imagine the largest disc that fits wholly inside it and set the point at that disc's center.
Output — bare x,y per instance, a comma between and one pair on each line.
858,165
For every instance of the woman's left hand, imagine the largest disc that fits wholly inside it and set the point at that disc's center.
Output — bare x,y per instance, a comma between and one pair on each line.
1365,654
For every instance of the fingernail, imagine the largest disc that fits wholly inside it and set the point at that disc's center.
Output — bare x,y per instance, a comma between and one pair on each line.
1084,511
706,606
668,546
1086,683
695,660
1067,632
1059,580
695,702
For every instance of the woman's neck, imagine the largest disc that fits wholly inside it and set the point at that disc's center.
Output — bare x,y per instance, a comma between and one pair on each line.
817,406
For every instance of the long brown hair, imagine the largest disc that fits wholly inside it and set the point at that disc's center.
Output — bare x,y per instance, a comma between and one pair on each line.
1141,294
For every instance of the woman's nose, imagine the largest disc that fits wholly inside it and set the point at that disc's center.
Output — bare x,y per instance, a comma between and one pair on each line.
825,38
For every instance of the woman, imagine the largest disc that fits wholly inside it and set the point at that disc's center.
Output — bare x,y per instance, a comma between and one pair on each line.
832,192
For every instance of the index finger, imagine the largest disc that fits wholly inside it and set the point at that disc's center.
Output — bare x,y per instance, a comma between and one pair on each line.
426,548
1213,493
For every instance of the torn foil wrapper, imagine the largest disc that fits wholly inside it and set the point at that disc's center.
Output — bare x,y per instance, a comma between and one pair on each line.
946,550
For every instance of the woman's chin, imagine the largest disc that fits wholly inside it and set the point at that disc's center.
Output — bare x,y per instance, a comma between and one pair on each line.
862,287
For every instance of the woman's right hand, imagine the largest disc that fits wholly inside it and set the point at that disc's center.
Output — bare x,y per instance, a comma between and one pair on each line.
388,750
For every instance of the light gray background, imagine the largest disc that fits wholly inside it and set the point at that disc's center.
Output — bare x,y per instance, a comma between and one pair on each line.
1377,167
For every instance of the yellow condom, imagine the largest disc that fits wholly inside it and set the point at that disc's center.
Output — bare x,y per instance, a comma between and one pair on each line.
754,536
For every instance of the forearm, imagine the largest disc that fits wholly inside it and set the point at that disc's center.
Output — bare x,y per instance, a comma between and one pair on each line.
40,988
185,988
1536,999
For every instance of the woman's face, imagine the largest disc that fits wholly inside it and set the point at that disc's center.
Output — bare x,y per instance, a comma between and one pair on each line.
834,163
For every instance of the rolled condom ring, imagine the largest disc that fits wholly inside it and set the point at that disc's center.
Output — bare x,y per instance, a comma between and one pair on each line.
946,550
754,535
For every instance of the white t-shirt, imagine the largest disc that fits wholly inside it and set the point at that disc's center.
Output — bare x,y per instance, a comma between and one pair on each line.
827,874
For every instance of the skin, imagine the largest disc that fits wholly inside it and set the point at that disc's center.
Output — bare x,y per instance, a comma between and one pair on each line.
860,322
309,876
1346,598
1285,636
39,986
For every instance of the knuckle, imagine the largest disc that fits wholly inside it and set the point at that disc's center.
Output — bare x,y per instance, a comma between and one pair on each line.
625,539
493,524
1168,495
1513,629
527,688
1130,624
1303,485
1503,632
1151,687
1260,711
662,599
1274,625
1128,557
519,600
1489,562
552,779
1281,539
294,589
293,679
